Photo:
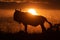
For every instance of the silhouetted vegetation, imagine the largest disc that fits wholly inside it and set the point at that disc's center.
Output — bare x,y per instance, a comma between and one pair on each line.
49,35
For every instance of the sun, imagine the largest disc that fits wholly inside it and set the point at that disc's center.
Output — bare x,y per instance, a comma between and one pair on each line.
32,11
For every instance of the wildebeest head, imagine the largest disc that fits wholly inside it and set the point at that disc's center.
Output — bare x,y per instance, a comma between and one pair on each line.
19,16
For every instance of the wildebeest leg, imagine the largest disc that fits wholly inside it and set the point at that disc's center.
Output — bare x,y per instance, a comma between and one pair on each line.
43,28
25,28
20,26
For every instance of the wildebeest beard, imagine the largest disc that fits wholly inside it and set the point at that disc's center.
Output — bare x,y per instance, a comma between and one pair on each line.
28,19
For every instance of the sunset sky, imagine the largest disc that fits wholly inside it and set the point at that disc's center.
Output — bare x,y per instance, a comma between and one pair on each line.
49,8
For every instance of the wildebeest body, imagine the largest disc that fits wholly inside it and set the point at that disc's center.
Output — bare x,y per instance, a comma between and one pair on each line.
34,21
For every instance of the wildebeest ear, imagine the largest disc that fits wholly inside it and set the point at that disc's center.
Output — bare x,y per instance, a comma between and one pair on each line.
15,9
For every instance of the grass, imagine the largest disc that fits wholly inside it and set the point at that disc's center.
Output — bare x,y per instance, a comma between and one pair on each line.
9,30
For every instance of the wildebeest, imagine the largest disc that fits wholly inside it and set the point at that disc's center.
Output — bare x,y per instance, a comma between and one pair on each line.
28,19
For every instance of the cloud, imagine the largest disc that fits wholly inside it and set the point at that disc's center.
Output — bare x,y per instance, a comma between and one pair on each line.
44,4
48,4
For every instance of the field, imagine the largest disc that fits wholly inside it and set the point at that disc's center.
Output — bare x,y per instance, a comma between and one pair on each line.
11,30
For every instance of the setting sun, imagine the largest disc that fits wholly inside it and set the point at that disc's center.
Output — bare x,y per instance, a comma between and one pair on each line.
32,11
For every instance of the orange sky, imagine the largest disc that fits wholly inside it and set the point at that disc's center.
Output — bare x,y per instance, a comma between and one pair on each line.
54,14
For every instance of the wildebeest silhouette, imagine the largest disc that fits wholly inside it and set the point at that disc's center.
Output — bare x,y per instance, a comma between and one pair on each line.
28,19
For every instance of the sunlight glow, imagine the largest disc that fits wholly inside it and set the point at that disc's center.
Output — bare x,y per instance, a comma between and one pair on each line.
32,11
